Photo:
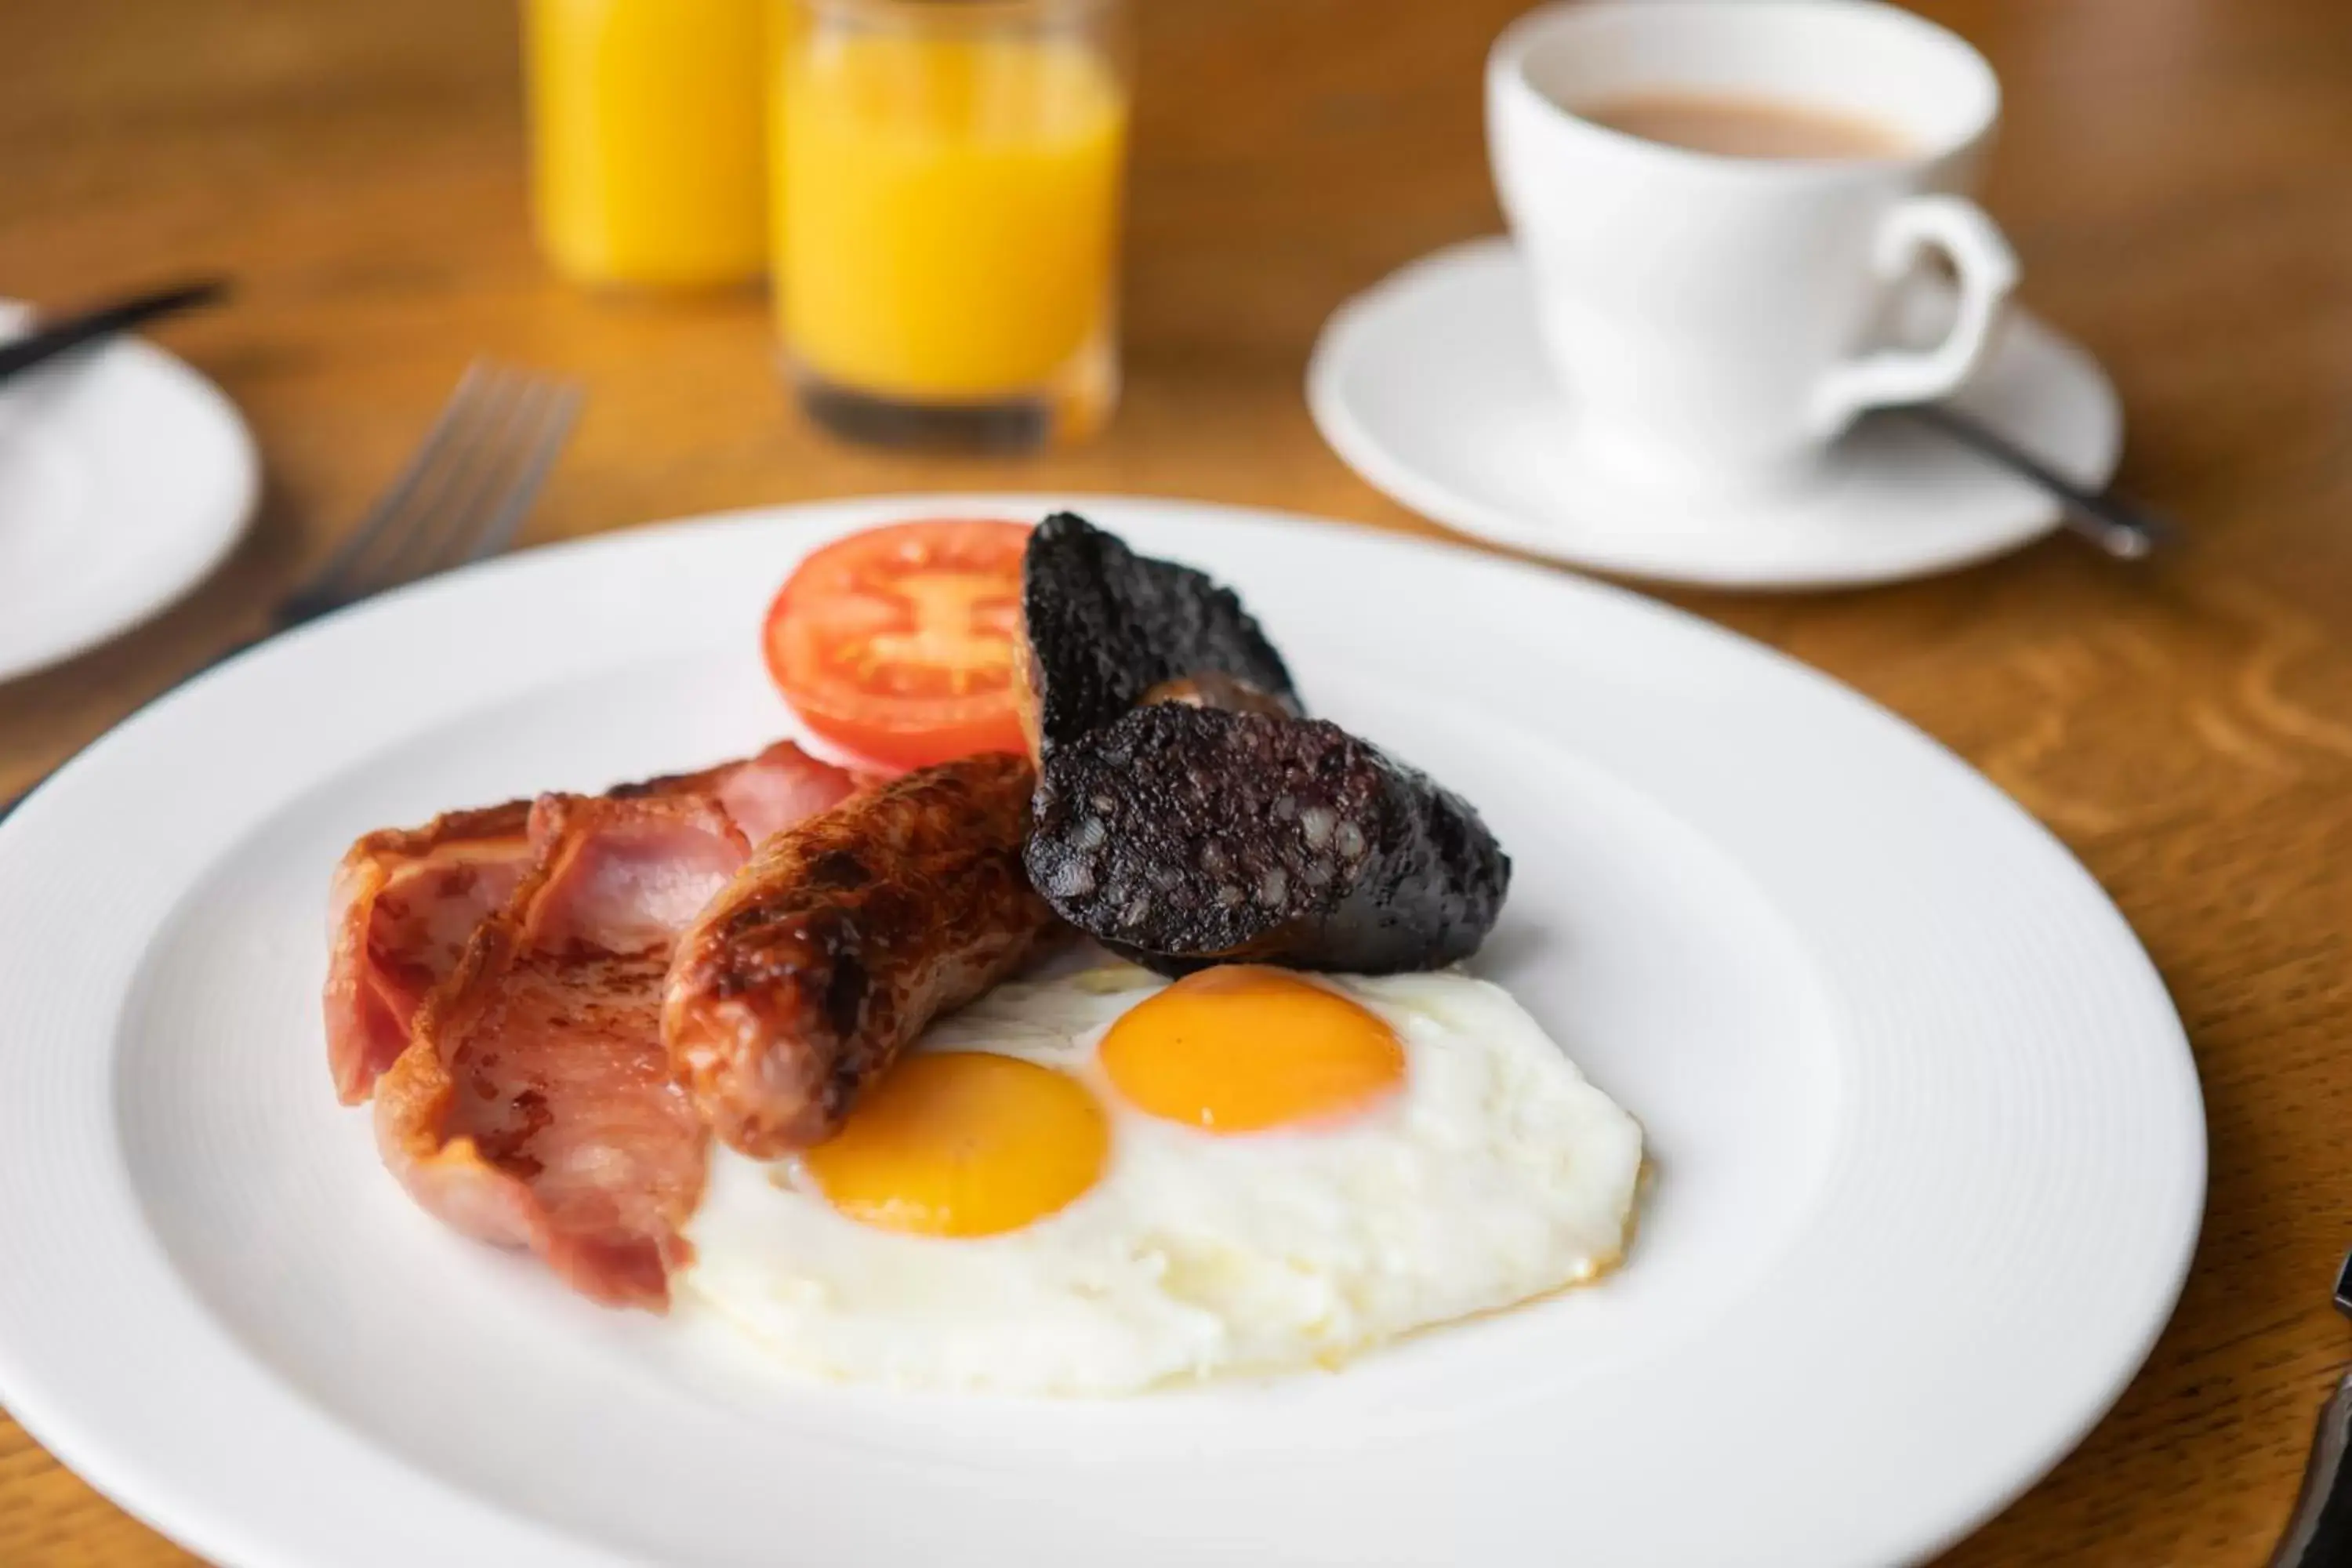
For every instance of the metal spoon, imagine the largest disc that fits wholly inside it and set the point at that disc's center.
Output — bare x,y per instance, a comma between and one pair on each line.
2120,528
2319,1532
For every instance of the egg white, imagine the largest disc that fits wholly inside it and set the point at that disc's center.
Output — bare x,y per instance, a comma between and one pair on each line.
1495,1174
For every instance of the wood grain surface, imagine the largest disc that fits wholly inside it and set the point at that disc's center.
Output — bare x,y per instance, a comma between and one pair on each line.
2177,175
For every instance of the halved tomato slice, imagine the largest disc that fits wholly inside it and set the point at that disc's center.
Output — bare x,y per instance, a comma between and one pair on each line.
897,643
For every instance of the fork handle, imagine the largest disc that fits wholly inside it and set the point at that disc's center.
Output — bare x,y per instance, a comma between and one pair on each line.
2319,1532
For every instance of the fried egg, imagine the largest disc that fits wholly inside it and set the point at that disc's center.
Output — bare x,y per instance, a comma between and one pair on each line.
1106,1181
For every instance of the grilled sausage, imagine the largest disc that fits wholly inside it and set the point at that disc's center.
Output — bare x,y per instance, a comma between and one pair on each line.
827,954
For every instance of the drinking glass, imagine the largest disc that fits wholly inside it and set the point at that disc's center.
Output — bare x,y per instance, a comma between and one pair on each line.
648,139
946,199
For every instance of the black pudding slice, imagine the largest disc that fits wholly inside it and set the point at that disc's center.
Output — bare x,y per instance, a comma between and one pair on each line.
1184,836
1104,628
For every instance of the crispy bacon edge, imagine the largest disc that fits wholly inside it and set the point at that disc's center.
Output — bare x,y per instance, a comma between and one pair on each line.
538,845
376,983
370,999
613,1258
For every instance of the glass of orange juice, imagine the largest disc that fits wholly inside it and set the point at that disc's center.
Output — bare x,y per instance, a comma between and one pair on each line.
945,199
649,139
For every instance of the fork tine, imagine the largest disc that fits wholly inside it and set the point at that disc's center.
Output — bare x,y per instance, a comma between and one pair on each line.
461,497
327,586
444,511
478,502
560,411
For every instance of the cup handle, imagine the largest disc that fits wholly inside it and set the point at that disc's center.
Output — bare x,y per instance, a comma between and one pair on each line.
1987,270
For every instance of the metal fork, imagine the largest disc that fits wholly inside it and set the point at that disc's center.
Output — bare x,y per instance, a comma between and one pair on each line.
460,499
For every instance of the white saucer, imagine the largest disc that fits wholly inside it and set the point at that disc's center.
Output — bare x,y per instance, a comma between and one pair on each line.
125,477
1433,385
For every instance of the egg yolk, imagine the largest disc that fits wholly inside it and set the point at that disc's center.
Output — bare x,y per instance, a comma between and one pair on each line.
1240,1048
963,1143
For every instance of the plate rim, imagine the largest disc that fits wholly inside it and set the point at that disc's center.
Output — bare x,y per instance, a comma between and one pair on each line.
150,1498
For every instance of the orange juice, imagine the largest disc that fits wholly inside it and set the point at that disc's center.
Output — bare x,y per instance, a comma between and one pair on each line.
947,213
648,138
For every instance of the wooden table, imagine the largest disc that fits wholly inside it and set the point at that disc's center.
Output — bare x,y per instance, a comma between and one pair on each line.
2175,173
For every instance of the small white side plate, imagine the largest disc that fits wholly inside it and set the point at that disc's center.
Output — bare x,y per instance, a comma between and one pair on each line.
125,477
1434,386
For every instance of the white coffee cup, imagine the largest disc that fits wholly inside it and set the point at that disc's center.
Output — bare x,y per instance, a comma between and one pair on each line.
1709,314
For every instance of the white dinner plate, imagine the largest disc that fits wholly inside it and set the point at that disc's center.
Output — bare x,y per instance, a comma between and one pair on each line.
125,477
1928,1147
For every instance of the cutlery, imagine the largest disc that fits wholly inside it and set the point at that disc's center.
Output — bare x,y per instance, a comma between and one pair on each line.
47,342
2319,1531
458,500
2121,529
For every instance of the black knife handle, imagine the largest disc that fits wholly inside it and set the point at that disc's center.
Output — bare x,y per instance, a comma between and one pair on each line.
2319,1533
54,338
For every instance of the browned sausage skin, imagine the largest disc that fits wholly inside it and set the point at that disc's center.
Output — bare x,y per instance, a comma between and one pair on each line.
804,980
